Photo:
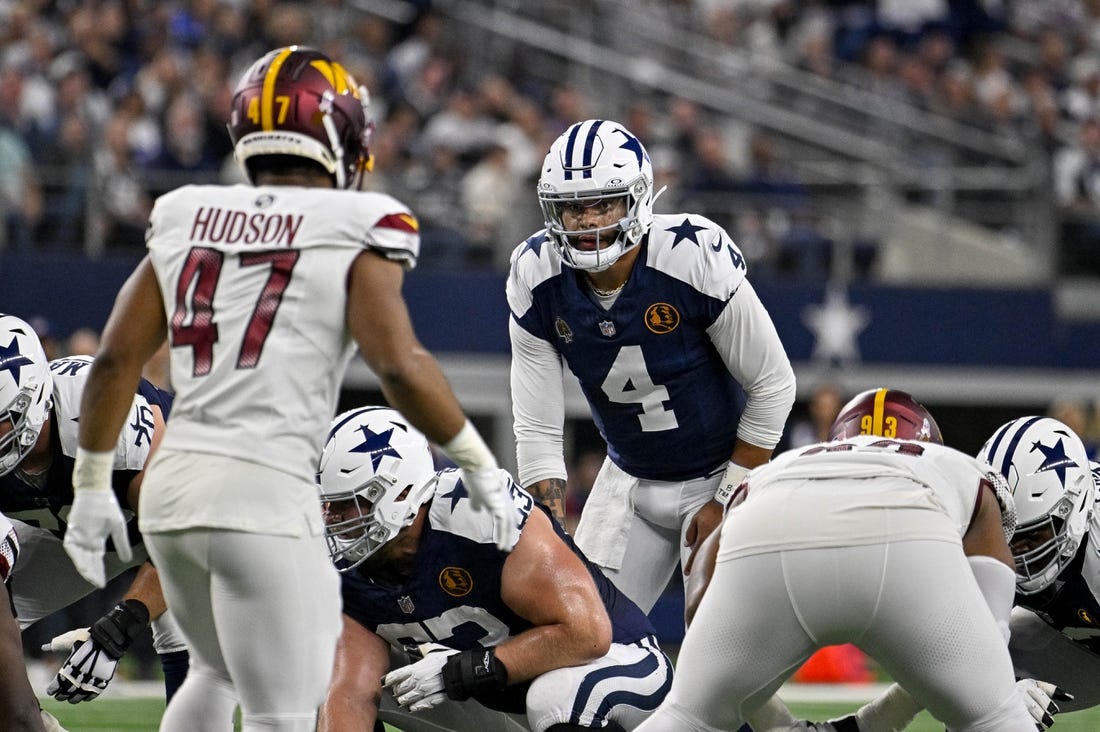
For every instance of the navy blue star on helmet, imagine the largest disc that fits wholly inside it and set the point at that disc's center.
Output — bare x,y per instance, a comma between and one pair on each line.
377,445
1055,458
12,361
633,144
686,232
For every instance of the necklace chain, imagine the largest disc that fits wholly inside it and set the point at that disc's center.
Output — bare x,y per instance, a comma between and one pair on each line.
607,293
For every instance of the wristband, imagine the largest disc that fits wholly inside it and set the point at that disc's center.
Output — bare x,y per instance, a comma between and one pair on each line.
470,672
730,480
117,630
468,450
92,471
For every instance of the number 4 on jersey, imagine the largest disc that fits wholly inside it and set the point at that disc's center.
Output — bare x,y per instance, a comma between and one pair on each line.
193,320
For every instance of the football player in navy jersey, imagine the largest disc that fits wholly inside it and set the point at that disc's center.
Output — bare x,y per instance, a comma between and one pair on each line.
40,402
533,638
681,364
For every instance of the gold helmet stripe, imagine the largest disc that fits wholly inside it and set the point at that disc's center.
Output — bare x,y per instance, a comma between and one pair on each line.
267,97
335,74
879,411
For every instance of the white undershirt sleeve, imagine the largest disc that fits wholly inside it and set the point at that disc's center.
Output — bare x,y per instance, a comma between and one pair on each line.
748,343
538,406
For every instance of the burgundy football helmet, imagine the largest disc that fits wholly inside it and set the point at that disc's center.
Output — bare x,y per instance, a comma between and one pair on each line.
886,413
297,101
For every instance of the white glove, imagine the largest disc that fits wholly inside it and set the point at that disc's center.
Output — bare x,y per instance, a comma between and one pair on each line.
1039,699
489,492
87,670
95,515
419,686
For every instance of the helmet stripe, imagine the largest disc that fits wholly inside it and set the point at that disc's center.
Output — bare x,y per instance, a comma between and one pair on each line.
349,417
267,98
878,412
568,162
589,143
1013,441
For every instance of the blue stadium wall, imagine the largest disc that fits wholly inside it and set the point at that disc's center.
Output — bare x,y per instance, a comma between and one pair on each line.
466,313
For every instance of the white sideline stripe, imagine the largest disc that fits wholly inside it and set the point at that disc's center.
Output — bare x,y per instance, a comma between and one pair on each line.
842,693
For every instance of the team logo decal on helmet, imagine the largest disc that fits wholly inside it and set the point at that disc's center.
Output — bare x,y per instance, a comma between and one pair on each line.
661,318
1048,471
25,390
456,581
886,413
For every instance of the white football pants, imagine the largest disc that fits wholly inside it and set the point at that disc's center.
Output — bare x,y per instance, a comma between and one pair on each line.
913,605
659,514
261,615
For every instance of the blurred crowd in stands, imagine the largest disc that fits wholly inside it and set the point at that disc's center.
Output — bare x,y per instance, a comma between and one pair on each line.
104,104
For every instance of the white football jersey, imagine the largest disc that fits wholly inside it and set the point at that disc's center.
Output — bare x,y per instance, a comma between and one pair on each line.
254,281
856,486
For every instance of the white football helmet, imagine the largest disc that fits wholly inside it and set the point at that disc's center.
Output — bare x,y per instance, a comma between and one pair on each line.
1047,468
593,160
26,388
380,463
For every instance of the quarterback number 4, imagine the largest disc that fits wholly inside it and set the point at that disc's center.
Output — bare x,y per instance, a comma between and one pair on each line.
193,320
629,382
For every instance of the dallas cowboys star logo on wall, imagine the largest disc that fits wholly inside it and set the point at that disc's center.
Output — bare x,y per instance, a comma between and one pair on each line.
377,445
12,361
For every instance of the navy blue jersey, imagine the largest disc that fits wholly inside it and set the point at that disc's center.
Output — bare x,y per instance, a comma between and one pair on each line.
1070,605
43,505
453,596
660,393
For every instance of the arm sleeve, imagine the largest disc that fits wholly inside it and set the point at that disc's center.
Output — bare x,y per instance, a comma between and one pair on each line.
538,406
748,343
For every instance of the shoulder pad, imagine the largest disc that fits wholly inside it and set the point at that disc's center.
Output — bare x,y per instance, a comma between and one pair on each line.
695,250
533,262
1004,500
451,510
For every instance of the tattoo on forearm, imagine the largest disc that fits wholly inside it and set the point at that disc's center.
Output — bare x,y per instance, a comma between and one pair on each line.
552,493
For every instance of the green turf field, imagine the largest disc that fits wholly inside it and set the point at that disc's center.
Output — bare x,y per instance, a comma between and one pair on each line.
133,715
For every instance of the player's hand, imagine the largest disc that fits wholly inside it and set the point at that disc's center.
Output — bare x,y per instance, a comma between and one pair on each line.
419,685
1039,699
94,516
489,492
705,520
87,670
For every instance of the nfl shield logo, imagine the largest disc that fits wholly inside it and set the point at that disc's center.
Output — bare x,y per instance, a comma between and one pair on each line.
406,604
607,328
